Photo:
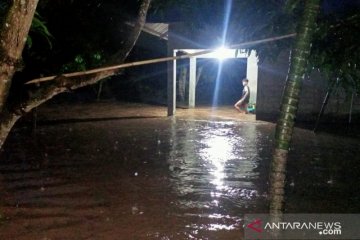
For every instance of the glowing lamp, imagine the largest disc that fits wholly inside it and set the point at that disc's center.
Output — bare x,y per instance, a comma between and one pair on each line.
222,52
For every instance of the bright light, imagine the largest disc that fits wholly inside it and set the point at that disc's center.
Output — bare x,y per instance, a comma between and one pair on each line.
221,53
218,151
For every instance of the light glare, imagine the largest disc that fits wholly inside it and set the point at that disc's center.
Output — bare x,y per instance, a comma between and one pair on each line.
221,53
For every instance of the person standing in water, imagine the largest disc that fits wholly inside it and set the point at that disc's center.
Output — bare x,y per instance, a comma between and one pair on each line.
242,104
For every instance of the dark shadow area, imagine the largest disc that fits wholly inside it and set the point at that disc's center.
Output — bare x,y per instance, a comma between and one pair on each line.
227,82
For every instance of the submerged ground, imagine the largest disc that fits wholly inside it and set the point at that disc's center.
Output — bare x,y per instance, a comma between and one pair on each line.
125,171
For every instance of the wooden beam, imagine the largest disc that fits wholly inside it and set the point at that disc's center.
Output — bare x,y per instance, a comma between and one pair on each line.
156,60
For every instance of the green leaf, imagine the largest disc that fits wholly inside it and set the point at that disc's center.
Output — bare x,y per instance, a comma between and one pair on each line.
38,26
29,42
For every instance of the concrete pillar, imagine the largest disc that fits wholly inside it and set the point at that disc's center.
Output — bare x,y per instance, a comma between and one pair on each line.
171,86
192,82
252,75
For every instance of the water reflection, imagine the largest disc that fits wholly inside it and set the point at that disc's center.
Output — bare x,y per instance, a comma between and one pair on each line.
217,150
215,172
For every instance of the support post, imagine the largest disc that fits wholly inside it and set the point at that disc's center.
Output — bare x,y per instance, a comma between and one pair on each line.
252,75
192,82
171,86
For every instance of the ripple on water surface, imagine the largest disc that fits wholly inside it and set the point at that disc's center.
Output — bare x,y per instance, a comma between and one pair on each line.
160,178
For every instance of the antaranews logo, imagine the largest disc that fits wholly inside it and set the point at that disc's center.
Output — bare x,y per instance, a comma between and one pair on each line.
302,226
256,225
323,228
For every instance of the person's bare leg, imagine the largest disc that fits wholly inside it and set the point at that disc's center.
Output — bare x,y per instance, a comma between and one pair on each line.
237,106
246,108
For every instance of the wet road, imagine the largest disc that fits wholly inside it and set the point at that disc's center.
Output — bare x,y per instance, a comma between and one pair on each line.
163,178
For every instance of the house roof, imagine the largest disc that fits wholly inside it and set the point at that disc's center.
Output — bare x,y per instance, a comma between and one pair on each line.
157,29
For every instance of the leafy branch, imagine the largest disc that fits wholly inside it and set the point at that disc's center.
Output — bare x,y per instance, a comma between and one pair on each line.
38,26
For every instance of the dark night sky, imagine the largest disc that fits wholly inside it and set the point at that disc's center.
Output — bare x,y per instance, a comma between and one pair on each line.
331,6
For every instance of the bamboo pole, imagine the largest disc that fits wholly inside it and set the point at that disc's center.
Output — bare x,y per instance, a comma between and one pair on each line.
326,99
156,60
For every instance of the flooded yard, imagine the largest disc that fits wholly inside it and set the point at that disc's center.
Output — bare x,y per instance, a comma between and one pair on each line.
146,176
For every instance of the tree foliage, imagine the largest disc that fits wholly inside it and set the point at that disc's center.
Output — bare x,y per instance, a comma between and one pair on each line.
336,49
38,26
88,33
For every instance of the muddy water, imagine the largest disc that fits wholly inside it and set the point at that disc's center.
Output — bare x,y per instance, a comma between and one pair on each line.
163,178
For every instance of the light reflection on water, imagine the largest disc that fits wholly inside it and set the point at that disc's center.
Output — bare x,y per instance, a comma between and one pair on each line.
217,150
214,171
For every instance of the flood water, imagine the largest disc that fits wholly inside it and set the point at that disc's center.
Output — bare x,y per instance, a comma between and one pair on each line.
163,178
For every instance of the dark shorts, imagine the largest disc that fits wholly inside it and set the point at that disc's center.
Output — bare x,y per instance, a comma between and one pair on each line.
246,100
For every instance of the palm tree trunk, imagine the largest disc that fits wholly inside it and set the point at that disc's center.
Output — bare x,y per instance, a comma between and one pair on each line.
289,105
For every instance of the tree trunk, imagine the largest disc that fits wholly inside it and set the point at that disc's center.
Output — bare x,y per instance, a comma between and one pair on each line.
122,54
62,84
289,105
13,35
